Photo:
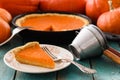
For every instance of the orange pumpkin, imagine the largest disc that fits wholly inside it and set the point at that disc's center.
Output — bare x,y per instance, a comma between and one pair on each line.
5,15
73,6
5,30
110,21
16,7
94,8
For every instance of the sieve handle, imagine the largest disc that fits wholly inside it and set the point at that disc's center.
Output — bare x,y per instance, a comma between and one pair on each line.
113,54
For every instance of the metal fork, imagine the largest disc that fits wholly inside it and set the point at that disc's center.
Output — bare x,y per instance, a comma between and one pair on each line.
14,32
81,67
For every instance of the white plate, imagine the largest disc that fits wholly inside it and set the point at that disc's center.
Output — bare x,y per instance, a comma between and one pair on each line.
10,61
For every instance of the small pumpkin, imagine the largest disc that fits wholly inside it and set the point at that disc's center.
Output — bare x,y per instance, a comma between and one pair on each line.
94,8
110,21
5,15
72,6
5,30
16,7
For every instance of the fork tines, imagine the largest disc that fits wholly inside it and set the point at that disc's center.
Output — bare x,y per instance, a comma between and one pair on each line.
49,52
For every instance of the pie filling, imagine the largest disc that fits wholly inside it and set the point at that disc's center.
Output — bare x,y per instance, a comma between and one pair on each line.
52,22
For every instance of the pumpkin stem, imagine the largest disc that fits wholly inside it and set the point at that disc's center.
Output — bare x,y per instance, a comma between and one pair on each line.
110,5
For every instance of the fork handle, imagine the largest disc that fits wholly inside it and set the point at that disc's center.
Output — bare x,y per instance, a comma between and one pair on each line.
81,67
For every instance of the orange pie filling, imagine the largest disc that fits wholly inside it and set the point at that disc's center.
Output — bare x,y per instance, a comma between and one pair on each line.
52,22
31,53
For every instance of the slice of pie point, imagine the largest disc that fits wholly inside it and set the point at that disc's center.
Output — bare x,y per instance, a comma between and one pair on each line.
31,53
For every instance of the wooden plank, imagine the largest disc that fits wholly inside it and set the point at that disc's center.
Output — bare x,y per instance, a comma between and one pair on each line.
106,68
73,73
28,76
4,70
7,73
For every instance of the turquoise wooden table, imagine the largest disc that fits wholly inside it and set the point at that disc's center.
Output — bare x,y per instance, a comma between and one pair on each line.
106,69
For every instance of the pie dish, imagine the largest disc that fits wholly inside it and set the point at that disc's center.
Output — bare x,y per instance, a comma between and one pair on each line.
51,31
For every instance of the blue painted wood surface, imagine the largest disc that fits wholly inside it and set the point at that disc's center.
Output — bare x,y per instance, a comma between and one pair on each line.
106,68
7,73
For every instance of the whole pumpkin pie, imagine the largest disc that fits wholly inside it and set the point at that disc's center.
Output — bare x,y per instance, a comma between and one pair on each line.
31,53
52,22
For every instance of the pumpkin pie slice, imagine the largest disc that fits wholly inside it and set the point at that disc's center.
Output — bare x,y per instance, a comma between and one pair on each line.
31,53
